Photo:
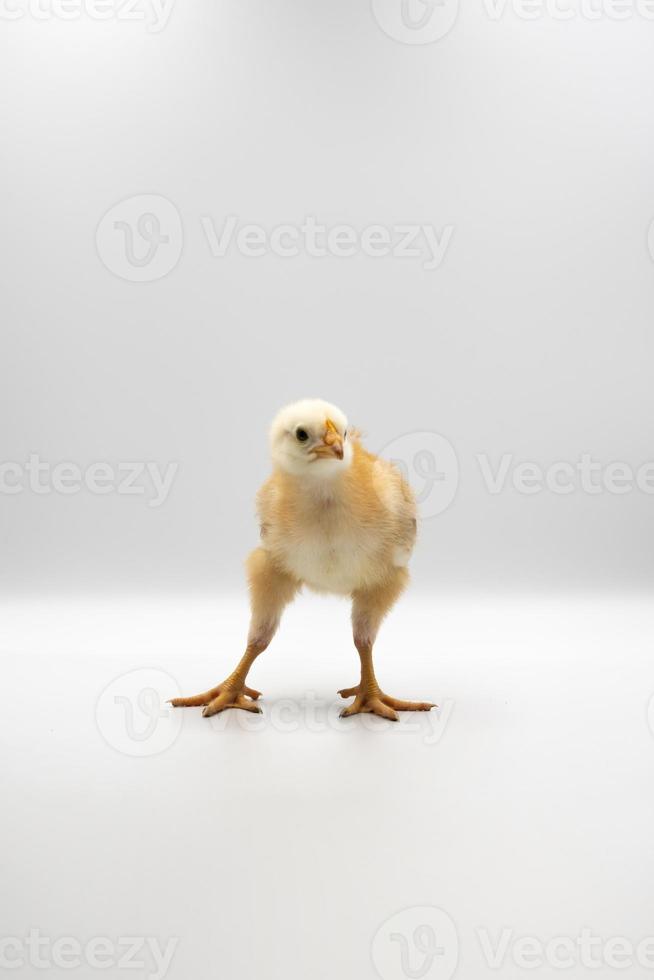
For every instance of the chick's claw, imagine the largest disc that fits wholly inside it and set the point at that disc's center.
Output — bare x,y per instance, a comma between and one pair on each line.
380,704
370,706
197,701
220,697
230,699
400,705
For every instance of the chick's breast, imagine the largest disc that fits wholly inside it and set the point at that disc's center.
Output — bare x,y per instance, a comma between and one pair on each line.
345,537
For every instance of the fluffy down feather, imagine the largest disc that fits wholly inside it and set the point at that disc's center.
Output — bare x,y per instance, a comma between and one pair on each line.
346,533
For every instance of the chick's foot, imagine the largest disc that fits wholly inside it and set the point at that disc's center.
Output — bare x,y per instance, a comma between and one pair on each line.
218,698
375,702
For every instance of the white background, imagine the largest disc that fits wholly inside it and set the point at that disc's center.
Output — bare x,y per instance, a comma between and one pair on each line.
532,139
282,851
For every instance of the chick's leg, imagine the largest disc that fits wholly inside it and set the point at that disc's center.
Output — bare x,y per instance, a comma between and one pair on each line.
270,590
368,610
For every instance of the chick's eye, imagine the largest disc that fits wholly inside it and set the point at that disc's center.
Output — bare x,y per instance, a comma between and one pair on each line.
301,435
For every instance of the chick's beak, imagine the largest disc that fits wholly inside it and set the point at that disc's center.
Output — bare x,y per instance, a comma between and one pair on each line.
332,443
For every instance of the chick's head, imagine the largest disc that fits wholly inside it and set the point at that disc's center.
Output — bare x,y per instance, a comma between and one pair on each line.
309,438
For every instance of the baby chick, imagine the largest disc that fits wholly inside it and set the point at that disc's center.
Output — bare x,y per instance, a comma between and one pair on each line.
336,519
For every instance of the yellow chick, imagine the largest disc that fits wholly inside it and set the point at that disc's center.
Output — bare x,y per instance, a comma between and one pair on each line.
336,519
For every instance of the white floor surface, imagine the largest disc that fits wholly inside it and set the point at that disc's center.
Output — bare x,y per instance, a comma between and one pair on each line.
298,845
